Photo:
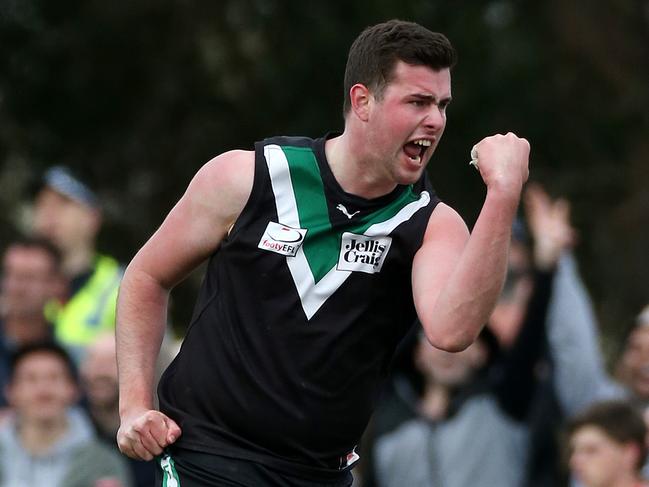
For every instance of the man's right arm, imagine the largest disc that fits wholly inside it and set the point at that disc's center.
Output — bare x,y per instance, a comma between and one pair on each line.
191,232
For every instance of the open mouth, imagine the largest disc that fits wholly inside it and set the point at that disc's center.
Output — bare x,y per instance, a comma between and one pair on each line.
415,149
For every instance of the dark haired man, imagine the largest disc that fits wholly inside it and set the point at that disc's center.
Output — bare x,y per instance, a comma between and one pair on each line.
46,441
30,277
321,253
607,443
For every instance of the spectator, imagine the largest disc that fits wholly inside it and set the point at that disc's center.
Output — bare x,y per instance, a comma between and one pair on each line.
99,381
67,212
30,277
518,323
607,443
582,379
553,238
98,373
633,366
468,403
579,374
46,441
577,377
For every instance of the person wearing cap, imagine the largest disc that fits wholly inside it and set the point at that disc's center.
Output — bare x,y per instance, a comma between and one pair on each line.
67,212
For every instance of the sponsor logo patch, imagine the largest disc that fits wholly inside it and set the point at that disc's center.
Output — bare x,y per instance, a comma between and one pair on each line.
349,459
344,211
282,239
359,253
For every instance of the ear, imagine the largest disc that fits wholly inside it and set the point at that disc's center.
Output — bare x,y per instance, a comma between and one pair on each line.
359,96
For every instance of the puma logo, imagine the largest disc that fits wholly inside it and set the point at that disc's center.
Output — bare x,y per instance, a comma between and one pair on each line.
344,211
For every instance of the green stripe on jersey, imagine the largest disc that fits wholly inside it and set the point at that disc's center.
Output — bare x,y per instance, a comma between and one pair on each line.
300,201
321,245
312,209
169,474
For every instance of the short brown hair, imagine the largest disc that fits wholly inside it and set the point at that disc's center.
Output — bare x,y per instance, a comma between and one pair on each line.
377,49
43,346
619,420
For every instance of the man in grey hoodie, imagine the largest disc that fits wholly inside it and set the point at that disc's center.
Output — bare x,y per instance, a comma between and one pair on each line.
46,441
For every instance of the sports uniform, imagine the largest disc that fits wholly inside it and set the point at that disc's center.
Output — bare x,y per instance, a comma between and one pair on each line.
300,311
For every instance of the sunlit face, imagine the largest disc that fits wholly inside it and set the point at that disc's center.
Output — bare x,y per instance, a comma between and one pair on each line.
410,111
41,389
446,368
29,280
597,460
64,221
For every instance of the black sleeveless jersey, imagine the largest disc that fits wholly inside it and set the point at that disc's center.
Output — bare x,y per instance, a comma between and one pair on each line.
300,311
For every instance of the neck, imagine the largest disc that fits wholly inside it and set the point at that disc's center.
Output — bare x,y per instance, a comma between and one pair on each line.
38,437
78,261
435,401
354,169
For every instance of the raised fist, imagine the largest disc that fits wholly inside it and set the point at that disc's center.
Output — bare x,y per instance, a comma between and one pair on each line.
503,162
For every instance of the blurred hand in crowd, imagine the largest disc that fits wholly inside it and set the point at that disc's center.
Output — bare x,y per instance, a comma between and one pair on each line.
549,223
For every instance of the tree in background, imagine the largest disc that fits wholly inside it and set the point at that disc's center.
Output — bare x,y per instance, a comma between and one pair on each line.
136,95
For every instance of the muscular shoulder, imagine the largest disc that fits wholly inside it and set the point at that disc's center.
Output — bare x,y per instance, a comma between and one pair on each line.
224,183
445,222
198,222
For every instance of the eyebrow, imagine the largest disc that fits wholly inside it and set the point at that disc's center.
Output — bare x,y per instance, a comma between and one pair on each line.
430,98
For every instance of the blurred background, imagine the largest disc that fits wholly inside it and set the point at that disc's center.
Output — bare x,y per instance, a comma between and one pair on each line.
135,96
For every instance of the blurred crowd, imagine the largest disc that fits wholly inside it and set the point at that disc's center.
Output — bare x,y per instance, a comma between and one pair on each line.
530,404
59,397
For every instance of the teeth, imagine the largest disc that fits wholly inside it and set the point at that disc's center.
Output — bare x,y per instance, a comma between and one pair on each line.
422,142
416,159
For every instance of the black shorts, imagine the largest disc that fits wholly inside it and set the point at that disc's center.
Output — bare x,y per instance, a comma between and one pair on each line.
186,468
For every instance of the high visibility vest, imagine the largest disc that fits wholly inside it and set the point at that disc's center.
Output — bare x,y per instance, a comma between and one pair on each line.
91,310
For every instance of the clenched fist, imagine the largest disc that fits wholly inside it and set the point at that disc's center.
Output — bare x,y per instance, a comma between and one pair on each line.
143,435
503,162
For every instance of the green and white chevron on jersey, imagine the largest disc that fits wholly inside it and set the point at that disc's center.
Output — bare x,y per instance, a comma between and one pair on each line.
169,474
301,204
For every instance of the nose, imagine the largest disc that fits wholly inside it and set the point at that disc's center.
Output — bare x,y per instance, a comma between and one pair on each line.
435,118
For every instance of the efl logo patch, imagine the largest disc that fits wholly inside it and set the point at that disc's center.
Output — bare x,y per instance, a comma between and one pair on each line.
351,458
281,239
359,253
